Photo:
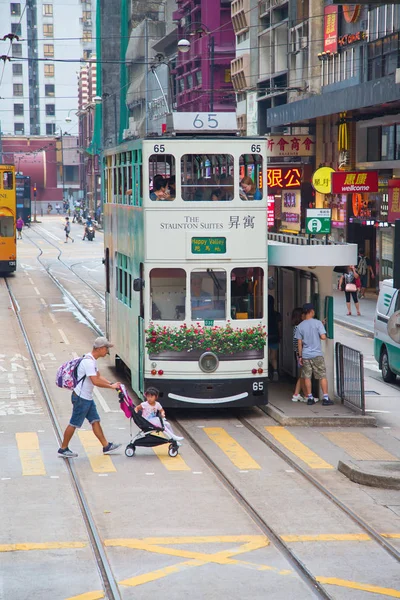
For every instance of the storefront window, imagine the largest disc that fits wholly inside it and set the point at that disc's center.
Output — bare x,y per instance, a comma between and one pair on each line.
168,294
387,144
208,294
247,296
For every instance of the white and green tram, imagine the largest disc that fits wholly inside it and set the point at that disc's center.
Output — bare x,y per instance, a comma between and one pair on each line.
186,263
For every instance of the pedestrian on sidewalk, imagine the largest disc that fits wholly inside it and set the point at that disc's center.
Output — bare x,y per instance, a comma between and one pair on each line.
67,229
83,404
363,268
347,284
297,318
274,336
309,334
19,224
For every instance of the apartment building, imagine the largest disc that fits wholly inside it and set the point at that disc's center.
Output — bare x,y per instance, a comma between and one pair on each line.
38,86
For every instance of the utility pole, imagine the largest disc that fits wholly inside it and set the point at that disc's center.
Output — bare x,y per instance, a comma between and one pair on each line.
212,64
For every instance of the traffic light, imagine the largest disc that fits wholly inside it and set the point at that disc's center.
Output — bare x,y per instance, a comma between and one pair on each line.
34,191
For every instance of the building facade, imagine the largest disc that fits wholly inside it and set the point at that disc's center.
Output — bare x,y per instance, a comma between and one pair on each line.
38,89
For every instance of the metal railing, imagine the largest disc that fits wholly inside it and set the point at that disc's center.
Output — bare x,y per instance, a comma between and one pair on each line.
299,240
350,377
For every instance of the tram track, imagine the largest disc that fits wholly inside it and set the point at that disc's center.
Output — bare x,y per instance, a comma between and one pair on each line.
84,313
109,582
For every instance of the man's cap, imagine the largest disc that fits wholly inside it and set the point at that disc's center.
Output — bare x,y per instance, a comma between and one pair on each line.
307,307
102,342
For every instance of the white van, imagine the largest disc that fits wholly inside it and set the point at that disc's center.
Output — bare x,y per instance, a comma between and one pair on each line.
387,352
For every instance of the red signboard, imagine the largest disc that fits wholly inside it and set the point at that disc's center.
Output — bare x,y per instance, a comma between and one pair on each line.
331,29
284,177
359,182
271,212
394,200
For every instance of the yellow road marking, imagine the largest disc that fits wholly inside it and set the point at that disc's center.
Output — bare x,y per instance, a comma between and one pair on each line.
203,539
29,453
287,439
328,537
359,446
354,585
100,463
172,464
41,546
88,596
234,451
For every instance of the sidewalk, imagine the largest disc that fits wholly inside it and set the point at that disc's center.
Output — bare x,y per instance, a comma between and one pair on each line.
364,323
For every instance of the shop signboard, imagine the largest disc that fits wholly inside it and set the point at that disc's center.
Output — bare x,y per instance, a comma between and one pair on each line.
290,145
321,180
394,200
344,182
331,29
271,211
290,210
284,177
318,220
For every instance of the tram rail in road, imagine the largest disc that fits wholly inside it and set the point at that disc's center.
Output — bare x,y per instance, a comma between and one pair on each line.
110,585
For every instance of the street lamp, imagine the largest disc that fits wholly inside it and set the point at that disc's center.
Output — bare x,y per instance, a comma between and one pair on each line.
184,47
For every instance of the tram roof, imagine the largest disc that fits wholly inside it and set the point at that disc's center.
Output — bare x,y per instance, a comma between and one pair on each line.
180,137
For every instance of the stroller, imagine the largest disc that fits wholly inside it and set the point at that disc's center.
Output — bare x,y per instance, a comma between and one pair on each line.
145,437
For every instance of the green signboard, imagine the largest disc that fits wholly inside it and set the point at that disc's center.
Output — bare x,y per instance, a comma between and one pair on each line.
318,220
208,245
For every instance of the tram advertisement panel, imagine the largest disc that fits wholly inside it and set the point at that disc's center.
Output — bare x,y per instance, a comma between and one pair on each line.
225,235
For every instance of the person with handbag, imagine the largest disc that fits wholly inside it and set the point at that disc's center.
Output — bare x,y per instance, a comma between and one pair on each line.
348,285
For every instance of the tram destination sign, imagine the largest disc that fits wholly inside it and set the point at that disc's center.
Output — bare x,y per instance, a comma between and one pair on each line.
208,245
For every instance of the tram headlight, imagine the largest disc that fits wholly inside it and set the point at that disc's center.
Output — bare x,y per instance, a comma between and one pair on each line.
208,362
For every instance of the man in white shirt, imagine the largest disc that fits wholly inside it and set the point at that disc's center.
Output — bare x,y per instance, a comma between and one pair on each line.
83,404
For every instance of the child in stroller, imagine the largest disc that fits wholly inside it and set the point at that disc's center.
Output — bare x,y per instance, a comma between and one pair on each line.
149,421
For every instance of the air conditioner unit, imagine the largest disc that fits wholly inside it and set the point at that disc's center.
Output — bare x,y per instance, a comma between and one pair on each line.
128,133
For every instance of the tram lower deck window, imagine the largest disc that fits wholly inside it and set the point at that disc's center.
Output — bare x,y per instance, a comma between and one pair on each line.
247,297
6,226
208,294
207,177
168,294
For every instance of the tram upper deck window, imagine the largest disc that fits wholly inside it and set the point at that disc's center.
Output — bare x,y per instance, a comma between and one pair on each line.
207,177
6,226
168,294
247,296
208,294
251,177
162,177
7,182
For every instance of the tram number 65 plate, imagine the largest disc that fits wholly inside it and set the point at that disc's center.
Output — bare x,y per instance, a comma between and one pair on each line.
258,388
159,148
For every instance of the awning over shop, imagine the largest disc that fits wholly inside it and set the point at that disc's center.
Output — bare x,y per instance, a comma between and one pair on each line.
294,255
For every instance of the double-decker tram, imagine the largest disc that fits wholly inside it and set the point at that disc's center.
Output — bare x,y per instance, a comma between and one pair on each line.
186,260
8,242
23,189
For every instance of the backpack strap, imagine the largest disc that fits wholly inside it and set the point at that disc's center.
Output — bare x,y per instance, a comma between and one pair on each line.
76,371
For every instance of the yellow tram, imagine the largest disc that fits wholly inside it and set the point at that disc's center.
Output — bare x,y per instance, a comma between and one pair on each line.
8,200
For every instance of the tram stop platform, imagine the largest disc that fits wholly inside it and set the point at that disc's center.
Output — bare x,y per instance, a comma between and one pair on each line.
287,413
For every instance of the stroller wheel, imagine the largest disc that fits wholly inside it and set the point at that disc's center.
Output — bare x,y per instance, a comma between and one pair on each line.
130,450
173,450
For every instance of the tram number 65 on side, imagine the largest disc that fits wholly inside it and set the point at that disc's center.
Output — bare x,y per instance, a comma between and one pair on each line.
258,388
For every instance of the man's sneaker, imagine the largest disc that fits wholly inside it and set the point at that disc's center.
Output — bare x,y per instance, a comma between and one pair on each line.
67,453
111,447
311,401
327,402
275,376
297,398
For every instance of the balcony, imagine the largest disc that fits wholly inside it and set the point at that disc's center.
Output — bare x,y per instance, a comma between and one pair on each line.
240,11
240,72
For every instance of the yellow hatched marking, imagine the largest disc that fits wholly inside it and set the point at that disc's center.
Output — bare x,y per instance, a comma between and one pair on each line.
289,441
88,596
359,446
41,546
30,455
172,464
234,451
365,587
202,539
100,463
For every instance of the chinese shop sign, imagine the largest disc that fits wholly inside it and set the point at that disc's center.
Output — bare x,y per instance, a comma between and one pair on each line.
271,211
331,29
394,200
321,180
290,145
284,177
360,182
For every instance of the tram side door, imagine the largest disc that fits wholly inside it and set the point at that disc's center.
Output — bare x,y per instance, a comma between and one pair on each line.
288,303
